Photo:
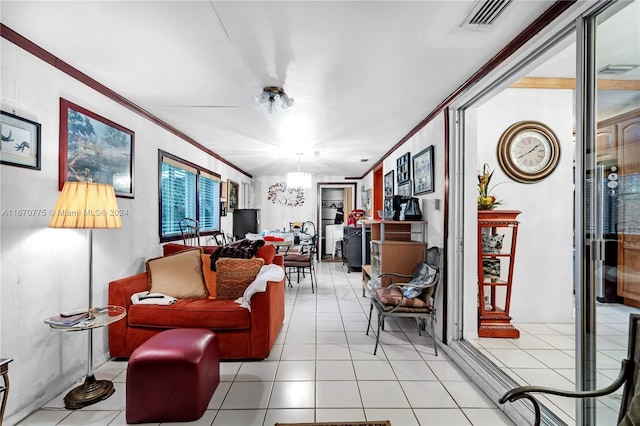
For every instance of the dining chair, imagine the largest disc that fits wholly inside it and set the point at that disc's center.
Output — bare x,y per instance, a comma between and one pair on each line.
220,238
301,261
190,231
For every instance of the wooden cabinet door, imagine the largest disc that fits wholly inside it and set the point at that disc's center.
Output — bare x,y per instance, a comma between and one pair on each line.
606,142
629,210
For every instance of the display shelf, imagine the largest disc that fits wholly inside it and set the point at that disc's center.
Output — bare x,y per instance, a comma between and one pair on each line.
497,236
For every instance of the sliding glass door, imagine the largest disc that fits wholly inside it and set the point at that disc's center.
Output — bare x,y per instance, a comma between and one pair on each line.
608,201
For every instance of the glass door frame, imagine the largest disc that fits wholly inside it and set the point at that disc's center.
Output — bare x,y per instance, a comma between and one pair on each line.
580,20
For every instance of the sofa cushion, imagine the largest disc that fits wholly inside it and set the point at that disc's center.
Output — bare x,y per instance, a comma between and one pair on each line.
178,275
243,249
267,253
201,313
210,279
235,275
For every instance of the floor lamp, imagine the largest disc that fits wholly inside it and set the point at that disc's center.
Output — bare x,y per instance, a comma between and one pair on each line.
83,205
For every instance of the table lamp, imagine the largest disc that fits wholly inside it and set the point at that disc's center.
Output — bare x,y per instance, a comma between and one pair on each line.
83,205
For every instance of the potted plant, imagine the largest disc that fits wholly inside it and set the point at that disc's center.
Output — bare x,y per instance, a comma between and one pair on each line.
486,200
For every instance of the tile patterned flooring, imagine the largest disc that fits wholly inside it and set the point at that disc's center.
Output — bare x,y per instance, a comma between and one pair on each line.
322,368
544,355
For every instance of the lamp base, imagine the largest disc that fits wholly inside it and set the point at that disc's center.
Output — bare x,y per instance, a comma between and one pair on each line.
90,392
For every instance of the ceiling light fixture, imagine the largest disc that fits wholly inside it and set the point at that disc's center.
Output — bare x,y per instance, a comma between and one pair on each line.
299,179
618,69
269,95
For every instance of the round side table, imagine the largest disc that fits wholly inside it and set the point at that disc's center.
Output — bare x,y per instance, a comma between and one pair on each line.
92,390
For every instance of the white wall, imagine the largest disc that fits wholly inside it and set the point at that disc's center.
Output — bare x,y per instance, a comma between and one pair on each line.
543,268
432,134
45,271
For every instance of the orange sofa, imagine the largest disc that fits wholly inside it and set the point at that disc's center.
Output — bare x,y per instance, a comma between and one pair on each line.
242,334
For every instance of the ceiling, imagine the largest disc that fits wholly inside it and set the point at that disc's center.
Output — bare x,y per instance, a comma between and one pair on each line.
363,74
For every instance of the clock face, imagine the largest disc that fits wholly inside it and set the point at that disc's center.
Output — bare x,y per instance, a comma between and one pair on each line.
528,151
531,151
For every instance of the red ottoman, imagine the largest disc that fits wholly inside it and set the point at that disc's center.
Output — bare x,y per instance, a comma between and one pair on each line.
172,376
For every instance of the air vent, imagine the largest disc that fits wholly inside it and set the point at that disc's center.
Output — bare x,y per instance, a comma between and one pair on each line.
617,69
484,13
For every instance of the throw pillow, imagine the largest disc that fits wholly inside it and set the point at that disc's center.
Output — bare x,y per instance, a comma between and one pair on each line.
243,249
267,252
234,276
178,275
210,278
392,296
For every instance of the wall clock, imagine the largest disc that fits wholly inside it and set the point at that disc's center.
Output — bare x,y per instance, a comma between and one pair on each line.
528,151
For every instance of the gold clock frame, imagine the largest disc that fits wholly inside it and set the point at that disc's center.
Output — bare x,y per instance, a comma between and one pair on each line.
510,168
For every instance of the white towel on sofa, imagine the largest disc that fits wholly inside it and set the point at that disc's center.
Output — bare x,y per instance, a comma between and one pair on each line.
146,298
267,273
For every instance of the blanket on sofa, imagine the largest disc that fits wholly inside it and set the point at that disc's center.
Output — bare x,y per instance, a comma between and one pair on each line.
270,272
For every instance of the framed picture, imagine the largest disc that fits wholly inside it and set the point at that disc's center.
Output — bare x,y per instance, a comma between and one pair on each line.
233,195
20,142
368,202
94,149
404,189
423,171
223,198
403,167
388,184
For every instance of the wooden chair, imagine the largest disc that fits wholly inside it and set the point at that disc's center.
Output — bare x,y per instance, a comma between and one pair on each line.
629,413
390,300
190,230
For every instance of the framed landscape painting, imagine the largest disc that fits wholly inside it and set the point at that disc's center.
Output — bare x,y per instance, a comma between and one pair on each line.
94,149
20,142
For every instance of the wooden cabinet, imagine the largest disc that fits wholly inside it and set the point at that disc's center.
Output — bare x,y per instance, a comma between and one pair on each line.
397,246
497,236
628,270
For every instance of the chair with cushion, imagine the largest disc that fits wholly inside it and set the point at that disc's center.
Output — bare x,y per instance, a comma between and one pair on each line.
190,230
413,298
629,413
301,261
220,238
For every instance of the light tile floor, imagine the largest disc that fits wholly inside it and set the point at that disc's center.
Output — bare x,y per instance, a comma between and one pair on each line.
544,355
322,368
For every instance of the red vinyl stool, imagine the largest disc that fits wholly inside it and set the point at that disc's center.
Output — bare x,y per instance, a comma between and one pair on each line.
172,376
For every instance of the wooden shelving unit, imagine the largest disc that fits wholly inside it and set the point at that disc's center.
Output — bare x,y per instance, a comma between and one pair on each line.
396,246
495,273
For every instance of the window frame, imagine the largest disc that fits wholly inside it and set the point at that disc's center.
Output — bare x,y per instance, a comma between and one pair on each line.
199,172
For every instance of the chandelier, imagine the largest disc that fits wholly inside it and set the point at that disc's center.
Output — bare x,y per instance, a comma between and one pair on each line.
299,179
269,95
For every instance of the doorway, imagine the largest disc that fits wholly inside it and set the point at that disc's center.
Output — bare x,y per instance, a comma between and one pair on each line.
335,203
